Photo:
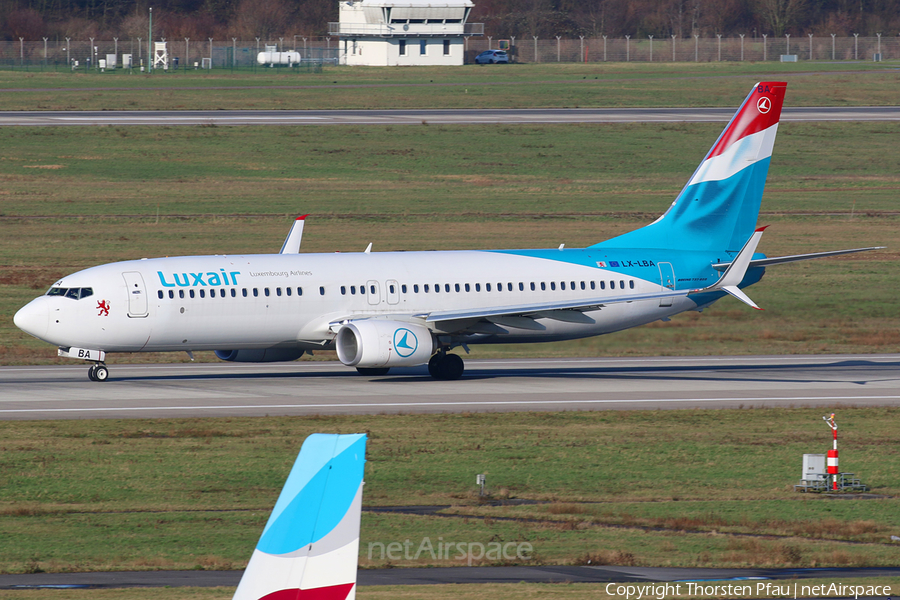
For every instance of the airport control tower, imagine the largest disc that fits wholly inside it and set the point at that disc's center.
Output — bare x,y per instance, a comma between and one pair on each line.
404,33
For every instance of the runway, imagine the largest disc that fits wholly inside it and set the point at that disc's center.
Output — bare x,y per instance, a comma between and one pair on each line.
457,575
443,116
309,388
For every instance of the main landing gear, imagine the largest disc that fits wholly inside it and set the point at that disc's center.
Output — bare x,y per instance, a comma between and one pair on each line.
446,366
98,372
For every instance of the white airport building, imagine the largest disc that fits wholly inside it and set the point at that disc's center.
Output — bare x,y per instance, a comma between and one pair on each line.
405,32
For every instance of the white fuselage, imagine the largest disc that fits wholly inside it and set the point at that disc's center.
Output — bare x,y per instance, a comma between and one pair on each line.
295,300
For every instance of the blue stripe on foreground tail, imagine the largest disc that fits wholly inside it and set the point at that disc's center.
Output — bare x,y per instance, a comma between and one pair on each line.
309,547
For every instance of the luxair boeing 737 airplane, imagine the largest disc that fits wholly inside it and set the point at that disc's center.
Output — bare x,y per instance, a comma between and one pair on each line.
386,309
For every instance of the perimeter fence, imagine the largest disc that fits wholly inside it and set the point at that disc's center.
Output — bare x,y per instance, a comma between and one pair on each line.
695,49
136,55
186,54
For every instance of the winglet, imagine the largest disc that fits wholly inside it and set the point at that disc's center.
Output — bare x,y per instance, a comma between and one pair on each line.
736,271
292,241
310,545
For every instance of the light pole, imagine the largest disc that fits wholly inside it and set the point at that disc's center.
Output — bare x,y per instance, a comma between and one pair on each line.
150,44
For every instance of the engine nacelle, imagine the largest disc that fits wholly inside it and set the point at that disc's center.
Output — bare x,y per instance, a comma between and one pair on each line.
376,343
260,355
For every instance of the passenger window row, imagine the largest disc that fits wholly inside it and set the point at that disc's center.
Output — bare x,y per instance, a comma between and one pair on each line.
191,293
533,286
369,288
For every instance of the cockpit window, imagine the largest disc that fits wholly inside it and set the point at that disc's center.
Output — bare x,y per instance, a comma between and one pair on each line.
73,293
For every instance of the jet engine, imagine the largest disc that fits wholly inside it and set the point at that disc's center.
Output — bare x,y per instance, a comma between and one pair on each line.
376,343
260,355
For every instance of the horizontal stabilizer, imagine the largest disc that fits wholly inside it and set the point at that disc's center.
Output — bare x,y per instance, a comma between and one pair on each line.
736,271
778,260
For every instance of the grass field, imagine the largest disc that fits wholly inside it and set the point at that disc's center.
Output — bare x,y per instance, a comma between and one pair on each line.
472,86
666,488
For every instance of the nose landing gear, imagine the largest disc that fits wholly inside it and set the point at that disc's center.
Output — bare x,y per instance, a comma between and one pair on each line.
98,372
446,366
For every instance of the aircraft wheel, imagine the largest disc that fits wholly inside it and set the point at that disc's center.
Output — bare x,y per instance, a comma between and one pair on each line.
434,366
373,371
101,373
453,366
91,373
446,367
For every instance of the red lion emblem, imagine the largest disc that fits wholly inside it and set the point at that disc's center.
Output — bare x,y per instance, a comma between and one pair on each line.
103,306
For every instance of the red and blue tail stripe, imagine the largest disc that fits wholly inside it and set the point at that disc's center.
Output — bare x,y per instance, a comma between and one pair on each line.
718,208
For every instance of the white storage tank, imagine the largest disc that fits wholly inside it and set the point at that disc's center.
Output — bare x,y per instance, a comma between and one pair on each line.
272,57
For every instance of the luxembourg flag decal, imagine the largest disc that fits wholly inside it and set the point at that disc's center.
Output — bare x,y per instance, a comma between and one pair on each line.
309,547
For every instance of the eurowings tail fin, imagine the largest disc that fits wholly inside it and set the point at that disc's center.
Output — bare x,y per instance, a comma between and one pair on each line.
718,208
310,545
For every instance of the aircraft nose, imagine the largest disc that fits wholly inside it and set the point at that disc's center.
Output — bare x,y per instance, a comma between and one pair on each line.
33,318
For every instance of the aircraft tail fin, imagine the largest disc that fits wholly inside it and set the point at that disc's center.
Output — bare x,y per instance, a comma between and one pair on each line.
310,545
718,208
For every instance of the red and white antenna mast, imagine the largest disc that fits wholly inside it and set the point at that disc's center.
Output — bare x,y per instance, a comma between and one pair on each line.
833,453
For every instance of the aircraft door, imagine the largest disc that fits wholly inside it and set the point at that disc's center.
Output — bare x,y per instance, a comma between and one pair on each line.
666,279
372,293
137,294
392,289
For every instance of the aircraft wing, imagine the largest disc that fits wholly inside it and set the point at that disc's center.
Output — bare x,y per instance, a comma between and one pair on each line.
777,260
572,311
